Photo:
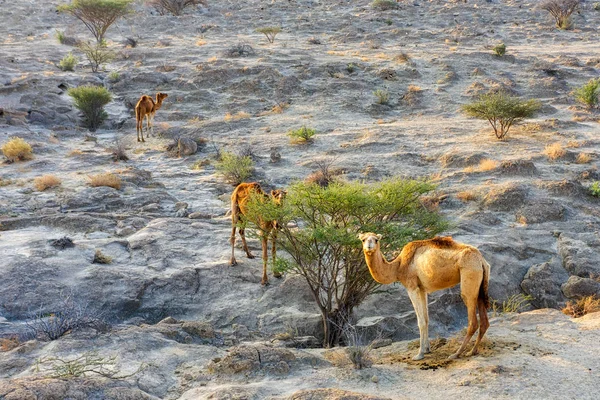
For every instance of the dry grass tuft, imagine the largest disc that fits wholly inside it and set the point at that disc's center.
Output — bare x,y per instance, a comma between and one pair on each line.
106,179
42,183
467,196
581,307
555,151
583,158
484,165
236,117
7,344
100,258
16,149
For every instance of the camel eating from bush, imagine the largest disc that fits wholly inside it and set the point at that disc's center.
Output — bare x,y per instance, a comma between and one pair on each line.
147,107
239,202
425,266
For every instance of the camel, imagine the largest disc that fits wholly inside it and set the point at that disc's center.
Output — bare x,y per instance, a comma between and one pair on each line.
147,107
426,266
239,200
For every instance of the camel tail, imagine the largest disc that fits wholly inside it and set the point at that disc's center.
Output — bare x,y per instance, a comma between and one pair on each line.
483,289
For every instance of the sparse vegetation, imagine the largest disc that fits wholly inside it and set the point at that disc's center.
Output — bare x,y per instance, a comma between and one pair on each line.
68,62
119,151
561,10
579,308
97,15
555,151
42,183
302,135
174,7
319,228
515,303
588,93
324,175
501,110
384,5
382,95
237,116
500,50
90,100
270,32
583,158
467,196
483,166
82,366
97,54
114,76
17,149
240,50
101,258
7,344
107,179
235,169
595,189
60,36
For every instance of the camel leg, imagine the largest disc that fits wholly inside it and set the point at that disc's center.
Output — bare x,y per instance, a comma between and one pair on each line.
138,128
469,293
419,299
244,244
484,324
234,221
276,274
264,239
149,125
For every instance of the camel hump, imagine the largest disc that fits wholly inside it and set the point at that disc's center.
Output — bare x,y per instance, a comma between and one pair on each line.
443,241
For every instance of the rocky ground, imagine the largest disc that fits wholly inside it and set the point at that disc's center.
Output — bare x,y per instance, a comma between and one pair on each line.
167,228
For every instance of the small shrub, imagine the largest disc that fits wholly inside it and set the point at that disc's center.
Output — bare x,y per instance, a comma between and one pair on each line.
118,151
16,149
500,50
324,175
270,32
114,76
484,165
588,93
555,151
7,344
61,36
596,6
302,135
106,179
402,58
96,54
239,50
561,10
42,183
382,95
90,100
174,7
501,110
466,196
68,62
384,5
581,307
62,243
97,15
515,303
101,258
235,169
595,189
583,158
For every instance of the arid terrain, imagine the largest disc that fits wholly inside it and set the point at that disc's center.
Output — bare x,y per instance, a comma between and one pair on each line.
186,325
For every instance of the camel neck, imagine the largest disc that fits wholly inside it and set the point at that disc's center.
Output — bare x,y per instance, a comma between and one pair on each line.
157,103
383,271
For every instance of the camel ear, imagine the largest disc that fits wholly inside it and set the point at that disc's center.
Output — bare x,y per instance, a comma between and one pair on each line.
379,237
361,236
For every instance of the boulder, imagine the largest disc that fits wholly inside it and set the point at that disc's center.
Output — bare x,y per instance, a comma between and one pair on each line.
186,147
541,211
577,287
543,283
580,256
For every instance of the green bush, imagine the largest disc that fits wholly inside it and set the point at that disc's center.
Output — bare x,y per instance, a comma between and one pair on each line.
68,62
270,32
319,228
96,54
90,100
235,169
97,15
588,93
382,95
302,135
114,76
384,5
501,110
61,37
500,50
595,189
174,7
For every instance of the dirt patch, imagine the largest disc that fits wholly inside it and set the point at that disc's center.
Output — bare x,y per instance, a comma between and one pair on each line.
442,348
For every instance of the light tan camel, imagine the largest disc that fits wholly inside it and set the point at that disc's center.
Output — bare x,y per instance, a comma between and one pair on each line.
147,107
426,266
239,200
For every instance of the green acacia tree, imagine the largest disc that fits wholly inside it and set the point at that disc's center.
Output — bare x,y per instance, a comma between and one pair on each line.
501,110
97,15
319,228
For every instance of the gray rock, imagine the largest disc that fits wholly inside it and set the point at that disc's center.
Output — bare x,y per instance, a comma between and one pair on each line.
506,197
544,210
461,160
578,287
580,257
199,215
543,283
186,147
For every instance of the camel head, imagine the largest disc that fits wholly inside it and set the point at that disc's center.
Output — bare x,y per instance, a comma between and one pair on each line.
160,97
370,242
278,195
